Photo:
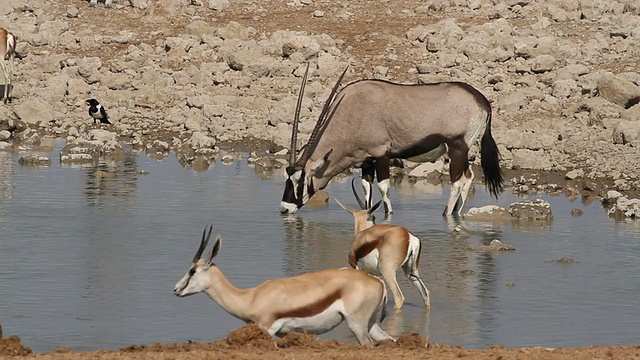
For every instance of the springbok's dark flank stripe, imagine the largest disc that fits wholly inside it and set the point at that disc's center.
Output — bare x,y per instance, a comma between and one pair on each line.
363,251
313,308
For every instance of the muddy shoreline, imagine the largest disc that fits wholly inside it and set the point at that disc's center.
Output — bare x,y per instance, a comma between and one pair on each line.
250,342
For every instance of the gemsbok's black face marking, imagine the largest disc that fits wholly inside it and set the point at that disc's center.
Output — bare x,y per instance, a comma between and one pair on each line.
293,196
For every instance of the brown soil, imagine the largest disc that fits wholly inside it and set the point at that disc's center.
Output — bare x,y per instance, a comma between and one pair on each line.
250,342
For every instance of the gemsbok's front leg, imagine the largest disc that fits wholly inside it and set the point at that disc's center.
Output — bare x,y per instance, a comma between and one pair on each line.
368,175
383,173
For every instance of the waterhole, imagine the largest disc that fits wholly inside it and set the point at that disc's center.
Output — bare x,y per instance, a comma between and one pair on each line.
89,258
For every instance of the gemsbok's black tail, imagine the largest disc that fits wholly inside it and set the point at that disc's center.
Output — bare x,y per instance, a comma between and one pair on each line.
490,161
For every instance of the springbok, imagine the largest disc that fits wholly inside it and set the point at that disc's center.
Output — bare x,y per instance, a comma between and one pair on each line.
381,249
7,52
369,122
314,302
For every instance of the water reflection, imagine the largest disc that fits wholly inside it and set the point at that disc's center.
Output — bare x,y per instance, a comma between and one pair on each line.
111,178
310,245
7,171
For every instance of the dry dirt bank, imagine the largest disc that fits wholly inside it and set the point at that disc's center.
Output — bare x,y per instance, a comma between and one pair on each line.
249,342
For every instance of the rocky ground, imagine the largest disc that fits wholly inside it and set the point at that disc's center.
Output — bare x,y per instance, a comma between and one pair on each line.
189,76
197,77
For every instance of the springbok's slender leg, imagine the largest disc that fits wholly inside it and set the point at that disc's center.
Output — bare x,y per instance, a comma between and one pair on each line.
361,332
378,334
7,80
368,171
383,174
410,269
389,274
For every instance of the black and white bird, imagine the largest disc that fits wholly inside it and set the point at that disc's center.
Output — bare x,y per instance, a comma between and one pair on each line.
97,112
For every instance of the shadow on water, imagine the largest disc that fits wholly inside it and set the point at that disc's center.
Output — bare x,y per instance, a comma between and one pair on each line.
114,243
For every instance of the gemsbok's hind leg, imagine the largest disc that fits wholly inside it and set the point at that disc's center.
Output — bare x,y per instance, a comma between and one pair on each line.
411,270
461,176
454,197
467,181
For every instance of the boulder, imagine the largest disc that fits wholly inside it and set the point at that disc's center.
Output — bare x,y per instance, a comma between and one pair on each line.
618,91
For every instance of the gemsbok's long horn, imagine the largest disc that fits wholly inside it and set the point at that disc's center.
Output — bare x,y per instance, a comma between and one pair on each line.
203,242
323,119
296,118
355,193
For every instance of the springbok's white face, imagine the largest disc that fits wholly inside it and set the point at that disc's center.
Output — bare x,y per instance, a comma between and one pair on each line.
193,281
196,279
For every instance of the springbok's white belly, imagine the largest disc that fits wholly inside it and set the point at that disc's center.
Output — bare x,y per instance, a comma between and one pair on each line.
316,324
370,263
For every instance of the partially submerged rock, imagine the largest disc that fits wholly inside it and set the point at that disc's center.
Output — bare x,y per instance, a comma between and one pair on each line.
101,143
537,209
564,260
625,208
487,213
496,245
320,198
34,160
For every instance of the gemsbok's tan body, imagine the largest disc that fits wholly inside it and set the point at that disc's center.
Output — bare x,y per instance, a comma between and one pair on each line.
314,302
7,53
369,122
381,249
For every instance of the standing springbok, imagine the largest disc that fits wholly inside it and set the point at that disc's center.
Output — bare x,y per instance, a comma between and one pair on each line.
314,302
7,52
369,122
381,249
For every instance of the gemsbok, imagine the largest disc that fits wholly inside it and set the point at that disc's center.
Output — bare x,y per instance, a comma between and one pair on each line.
381,249
369,122
7,53
314,302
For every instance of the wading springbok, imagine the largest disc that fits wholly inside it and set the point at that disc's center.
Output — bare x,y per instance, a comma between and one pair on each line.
381,249
369,122
314,302
7,52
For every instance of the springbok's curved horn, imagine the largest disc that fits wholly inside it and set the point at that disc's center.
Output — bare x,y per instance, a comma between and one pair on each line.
323,119
203,243
296,118
355,193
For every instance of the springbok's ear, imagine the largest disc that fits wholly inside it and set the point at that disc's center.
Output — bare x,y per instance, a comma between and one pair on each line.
374,207
320,163
215,249
349,209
